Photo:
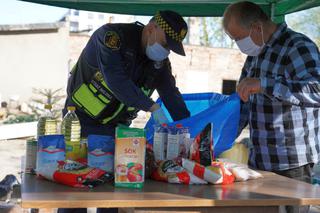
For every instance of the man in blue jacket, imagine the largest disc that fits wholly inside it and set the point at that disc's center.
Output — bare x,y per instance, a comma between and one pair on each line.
119,69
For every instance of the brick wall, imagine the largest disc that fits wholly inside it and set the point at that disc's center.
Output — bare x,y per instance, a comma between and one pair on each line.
77,43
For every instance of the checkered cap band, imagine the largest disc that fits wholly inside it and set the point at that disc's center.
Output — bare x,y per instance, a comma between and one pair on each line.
166,28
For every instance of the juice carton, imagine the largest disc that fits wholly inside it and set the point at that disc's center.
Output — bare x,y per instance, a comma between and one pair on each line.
129,162
160,139
173,143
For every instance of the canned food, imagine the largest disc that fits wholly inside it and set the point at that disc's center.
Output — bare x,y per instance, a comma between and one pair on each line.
31,155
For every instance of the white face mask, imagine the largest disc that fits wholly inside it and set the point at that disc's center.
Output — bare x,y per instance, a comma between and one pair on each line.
156,51
248,47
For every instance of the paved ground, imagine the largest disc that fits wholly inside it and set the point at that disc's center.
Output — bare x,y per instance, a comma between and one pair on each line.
11,152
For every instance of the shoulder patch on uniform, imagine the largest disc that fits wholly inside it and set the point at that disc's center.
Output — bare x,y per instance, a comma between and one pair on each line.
112,40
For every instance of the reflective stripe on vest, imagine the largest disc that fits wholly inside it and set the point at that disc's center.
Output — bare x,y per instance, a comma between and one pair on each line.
95,97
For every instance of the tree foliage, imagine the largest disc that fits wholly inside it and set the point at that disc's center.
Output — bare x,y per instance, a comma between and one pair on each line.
47,96
306,22
212,33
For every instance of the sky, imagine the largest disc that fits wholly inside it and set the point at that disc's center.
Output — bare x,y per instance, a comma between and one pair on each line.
18,12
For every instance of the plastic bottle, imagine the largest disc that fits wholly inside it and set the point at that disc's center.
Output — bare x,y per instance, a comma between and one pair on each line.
71,130
47,124
160,139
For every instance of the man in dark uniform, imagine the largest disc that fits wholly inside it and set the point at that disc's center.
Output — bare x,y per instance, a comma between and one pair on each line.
118,70
120,67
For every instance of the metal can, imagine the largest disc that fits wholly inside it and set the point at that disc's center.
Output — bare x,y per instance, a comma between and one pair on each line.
84,148
31,155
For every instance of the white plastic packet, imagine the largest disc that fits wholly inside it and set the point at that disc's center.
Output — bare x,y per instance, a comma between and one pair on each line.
241,171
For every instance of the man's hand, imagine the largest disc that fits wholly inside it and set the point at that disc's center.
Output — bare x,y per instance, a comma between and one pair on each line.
247,87
159,117
158,114
154,107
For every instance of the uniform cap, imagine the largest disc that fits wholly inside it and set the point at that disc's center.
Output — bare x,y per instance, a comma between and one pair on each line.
174,27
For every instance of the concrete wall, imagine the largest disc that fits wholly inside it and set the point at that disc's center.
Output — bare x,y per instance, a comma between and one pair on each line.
33,59
85,20
203,69
76,44
42,59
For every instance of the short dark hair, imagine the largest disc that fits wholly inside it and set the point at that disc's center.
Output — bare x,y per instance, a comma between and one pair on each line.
246,13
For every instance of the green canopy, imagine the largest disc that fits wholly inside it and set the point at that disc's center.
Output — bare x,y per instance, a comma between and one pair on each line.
275,8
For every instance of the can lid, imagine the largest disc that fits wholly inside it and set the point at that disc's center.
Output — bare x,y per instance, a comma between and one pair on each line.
71,108
48,106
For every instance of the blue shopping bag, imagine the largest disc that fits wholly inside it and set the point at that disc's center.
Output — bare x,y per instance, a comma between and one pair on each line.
221,110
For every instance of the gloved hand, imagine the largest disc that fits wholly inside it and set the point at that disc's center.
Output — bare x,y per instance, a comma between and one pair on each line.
159,117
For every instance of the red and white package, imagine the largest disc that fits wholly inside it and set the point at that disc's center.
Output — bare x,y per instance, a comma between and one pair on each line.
215,174
76,174
241,171
201,150
171,172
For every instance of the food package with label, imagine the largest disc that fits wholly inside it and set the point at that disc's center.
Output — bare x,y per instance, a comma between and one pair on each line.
171,142
76,174
240,171
101,152
129,165
169,171
160,139
201,150
215,174
51,149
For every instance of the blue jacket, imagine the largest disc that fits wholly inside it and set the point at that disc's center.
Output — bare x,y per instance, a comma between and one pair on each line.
116,50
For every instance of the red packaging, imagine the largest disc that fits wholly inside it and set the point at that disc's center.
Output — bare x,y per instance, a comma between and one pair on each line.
75,174
169,171
201,150
215,174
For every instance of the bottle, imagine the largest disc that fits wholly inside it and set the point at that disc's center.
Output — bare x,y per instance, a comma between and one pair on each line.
47,124
71,130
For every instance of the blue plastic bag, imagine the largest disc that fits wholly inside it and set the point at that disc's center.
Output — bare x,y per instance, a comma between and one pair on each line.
221,110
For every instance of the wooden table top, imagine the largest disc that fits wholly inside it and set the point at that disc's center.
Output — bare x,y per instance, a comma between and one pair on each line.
272,190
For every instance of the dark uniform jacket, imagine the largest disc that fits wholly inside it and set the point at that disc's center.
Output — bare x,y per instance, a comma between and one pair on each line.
116,50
